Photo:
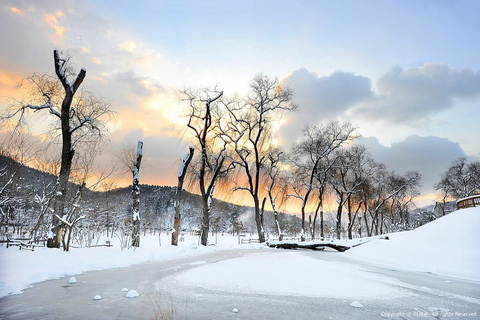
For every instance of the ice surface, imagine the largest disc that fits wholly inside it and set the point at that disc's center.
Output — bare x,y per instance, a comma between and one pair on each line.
336,280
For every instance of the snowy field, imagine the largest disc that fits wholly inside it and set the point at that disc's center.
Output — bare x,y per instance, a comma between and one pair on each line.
447,246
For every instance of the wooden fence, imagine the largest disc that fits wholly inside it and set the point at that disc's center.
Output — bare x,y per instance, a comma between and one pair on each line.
473,201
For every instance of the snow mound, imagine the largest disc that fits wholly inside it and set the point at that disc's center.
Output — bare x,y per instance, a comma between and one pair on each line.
97,297
72,280
447,246
356,304
124,290
132,294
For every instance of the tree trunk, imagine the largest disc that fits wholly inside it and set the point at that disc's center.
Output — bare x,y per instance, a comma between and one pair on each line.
136,196
68,152
205,224
258,220
178,195
322,222
339,217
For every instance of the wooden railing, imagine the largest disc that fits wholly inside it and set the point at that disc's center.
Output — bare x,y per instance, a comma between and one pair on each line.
472,201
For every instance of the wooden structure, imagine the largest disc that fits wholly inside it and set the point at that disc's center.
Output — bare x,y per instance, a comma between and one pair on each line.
472,201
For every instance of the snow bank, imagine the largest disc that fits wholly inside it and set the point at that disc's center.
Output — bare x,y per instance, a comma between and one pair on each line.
20,268
448,246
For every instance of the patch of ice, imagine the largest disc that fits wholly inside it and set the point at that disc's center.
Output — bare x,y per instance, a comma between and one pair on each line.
97,297
124,290
337,280
235,310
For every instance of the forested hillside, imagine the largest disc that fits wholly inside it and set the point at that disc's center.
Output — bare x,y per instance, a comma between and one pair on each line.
29,191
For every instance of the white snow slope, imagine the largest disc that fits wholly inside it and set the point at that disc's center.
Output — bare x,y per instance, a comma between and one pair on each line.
448,246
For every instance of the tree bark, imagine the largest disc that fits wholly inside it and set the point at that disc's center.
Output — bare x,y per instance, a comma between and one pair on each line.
136,196
178,195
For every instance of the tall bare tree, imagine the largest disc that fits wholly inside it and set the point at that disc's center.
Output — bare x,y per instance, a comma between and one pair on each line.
77,120
346,178
204,120
251,122
276,186
317,144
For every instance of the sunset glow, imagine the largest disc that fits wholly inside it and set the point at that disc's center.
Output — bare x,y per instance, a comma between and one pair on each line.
407,83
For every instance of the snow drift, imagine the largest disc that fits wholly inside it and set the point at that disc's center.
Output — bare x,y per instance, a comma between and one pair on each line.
448,246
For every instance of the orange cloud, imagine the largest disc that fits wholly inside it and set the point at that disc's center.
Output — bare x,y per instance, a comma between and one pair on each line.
9,82
17,11
96,60
52,21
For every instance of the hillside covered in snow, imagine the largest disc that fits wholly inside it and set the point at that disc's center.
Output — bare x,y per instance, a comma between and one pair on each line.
447,246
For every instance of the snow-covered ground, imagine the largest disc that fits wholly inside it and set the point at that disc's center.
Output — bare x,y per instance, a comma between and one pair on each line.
20,268
447,246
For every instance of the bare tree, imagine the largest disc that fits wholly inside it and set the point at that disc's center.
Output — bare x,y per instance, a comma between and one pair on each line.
178,194
250,132
276,186
345,179
462,179
317,144
204,120
77,120
383,190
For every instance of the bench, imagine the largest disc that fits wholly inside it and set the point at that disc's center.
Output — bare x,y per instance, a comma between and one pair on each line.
23,243
249,241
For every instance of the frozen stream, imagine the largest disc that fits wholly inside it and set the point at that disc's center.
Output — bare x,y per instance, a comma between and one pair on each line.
256,284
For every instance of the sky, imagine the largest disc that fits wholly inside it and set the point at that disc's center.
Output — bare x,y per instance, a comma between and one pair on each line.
405,73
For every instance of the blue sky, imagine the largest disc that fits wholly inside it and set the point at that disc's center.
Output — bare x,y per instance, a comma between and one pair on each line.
406,73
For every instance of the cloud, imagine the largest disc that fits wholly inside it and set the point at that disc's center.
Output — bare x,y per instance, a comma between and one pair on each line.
430,156
322,98
52,21
96,60
415,94
328,95
17,11
129,46
138,85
